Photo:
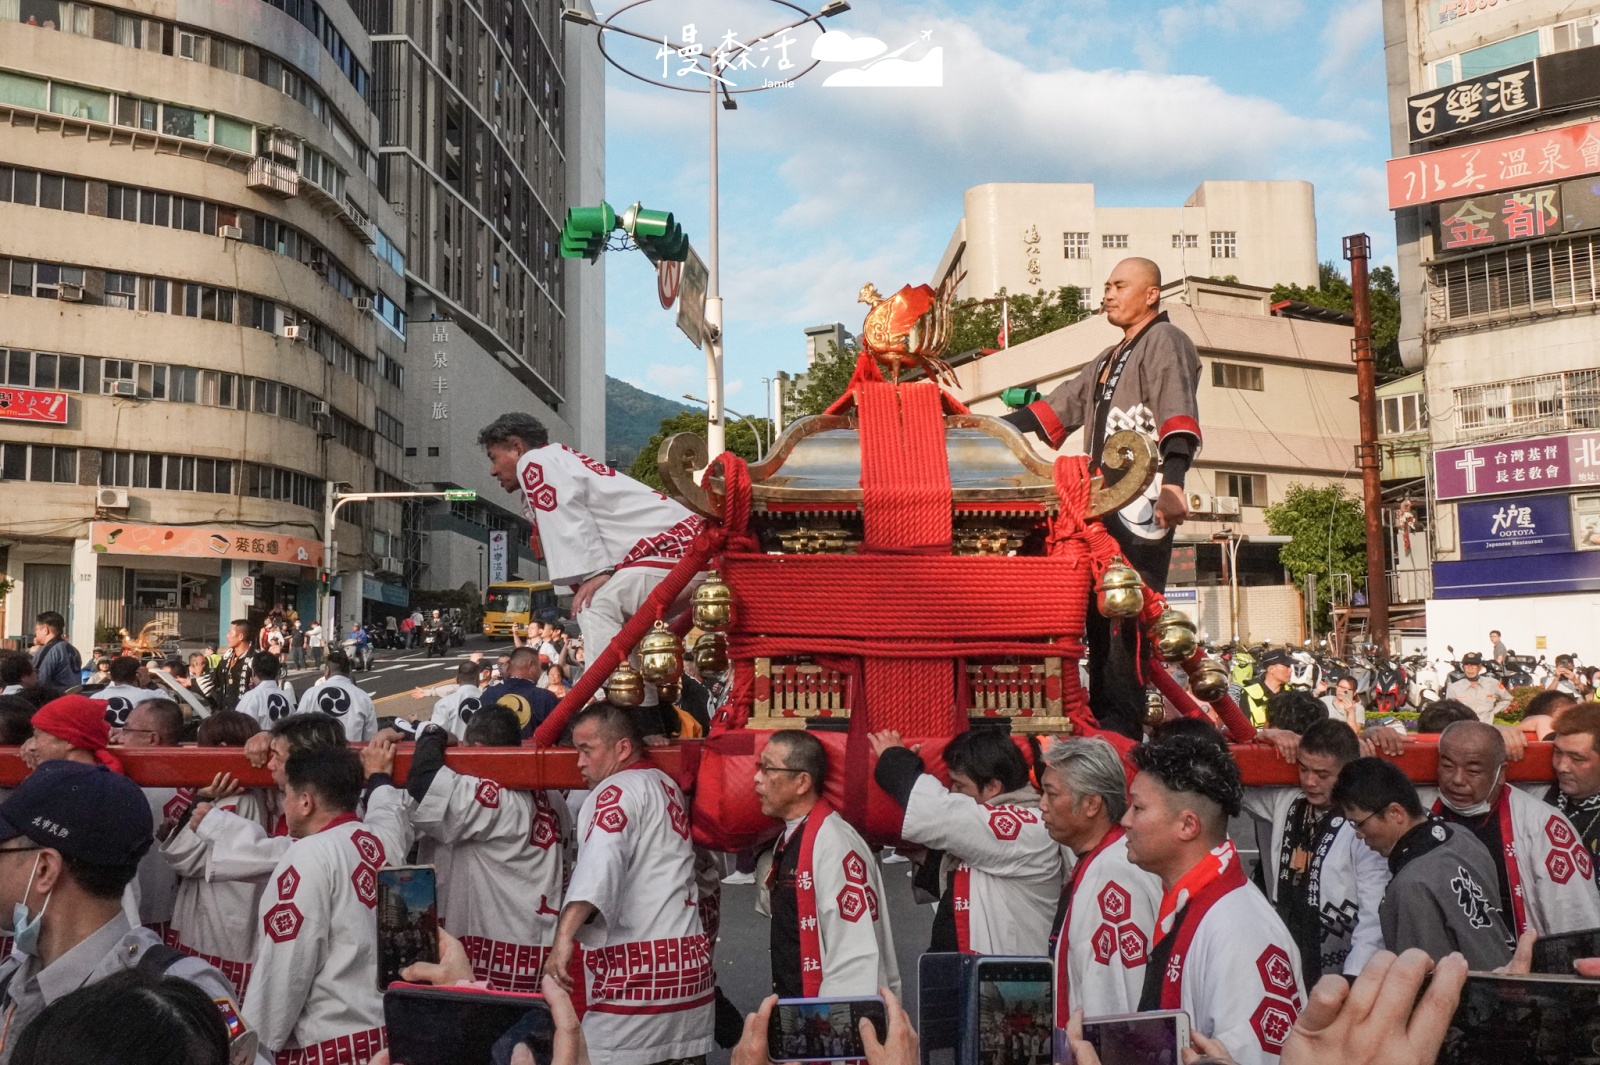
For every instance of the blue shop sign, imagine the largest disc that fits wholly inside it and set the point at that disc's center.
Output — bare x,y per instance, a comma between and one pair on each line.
388,594
1525,525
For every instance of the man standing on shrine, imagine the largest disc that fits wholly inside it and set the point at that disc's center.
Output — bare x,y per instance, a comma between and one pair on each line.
1146,382
601,532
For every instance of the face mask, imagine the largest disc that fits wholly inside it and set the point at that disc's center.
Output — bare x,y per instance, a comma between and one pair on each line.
25,929
1477,809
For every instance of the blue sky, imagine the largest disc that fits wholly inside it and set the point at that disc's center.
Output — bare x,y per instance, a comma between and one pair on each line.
826,188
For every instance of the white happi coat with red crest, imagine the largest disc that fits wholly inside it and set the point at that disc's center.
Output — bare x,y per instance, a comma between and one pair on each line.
313,993
1008,871
648,982
499,855
846,946
215,920
1105,938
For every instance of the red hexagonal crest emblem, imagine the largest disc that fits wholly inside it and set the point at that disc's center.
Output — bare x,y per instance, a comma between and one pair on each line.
1277,972
852,902
1580,858
368,847
546,831
609,797
282,922
611,819
594,467
1115,902
532,475
365,881
1132,945
1104,942
855,868
178,803
1560,832
488,794
872,901
1005,824
1272,1021
288,881
1560,865
543,497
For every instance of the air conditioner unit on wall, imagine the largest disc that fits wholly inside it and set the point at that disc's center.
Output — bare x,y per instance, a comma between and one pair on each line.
291,332
390,564
111,499
1199,503
70,293
361,303
1226,506
323,424
230,233
112,387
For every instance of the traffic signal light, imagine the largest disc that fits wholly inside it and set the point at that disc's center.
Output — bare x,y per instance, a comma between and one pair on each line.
657,234
1017,396
584,234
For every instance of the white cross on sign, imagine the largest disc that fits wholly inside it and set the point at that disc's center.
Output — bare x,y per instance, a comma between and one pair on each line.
1470,462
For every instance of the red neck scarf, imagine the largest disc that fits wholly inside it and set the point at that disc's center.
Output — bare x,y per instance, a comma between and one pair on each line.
1063,943
1222,862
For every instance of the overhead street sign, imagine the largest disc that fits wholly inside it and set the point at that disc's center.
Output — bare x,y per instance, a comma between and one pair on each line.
460,495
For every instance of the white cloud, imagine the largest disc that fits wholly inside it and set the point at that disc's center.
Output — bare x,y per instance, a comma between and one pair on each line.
675,378
1347,34
837,46
924,73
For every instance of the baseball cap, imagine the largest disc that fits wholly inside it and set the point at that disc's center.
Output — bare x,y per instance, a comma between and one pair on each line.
1472,658
86,812
1276,657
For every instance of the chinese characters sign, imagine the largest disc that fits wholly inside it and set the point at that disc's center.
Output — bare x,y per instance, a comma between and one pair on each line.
499,548
176,541
1474,103
1498,218
730,54
1446,12
31,405
1502,467
1526,525
1492,166
441,380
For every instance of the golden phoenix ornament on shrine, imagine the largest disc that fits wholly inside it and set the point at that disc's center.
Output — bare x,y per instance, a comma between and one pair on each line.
910,329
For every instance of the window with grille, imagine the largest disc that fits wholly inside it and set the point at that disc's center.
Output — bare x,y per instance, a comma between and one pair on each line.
1114,240
1249,488
1236,375
1075,245
1185,240
1515,283
1224,244
1547,403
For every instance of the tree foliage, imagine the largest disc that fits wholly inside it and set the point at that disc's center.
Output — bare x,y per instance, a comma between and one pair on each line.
741,441
824,382
1333,291
975,324
1329,537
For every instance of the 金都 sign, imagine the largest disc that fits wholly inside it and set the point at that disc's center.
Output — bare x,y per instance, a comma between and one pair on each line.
1499,218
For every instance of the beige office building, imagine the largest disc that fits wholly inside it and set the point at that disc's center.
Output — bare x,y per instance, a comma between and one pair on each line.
202,322
1276,409
1028,238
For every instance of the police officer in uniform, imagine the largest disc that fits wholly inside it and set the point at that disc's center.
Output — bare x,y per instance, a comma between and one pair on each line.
71,836
1276,669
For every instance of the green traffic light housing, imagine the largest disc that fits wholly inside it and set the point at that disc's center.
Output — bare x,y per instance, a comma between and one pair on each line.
584,234
656,232
1016,396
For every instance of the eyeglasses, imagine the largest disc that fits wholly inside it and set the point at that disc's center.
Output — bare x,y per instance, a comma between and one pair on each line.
763,768
1357,824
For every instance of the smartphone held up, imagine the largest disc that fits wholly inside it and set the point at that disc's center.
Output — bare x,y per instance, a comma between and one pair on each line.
408,920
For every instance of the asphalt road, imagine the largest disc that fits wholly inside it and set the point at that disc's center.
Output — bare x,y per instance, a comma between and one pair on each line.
396,673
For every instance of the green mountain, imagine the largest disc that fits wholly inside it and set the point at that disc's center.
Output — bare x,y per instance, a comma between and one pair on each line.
633,416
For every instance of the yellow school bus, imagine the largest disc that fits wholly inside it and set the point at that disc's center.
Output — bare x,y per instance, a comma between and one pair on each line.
515,603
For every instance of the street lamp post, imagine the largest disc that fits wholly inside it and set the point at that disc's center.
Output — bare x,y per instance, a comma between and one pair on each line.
762,443
716,424
330,548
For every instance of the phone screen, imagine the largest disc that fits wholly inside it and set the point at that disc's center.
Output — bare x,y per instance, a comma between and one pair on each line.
1524,1020
1555,954
449,1026
408,920
939,1007
822,1029
1135,1041
1014,1014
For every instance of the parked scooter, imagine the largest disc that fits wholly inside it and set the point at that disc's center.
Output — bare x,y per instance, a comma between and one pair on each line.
1390,685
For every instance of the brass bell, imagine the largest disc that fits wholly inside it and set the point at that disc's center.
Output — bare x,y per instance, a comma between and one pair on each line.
1120,593
625,687
660,655
711,653
669,693
1174,636
1209,679
1155,711
713,604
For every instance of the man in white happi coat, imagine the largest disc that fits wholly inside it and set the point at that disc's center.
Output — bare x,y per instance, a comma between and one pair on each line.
632,903
1324,881
313,994
1001,873
1105,923
820,884
126,690
156,723
268,702
606,535
454,709
498,851
1224,956
342,699
1546,873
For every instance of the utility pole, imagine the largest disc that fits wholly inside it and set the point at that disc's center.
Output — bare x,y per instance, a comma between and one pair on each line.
1357,250
330,548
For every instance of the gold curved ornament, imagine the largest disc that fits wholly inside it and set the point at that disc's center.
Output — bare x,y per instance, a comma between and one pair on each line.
1134,456
680,457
